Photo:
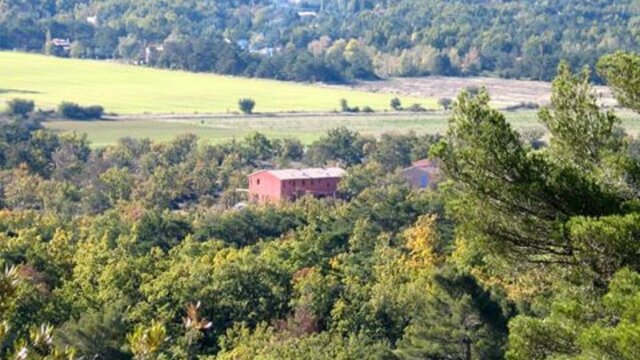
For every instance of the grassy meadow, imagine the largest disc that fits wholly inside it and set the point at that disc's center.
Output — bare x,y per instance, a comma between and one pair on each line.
127,89
306,128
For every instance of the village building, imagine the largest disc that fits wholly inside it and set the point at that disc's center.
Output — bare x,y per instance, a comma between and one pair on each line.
270,186
423,174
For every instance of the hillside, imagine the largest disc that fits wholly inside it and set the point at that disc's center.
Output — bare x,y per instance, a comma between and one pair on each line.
328,40
133,89
504,245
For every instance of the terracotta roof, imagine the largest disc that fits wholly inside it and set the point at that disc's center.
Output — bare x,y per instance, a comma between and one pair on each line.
309,173
424,163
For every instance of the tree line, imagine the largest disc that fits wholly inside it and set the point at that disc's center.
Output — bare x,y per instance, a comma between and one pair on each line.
328,40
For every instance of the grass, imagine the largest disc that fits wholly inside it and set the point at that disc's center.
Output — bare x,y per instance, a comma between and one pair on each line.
137,91
305,128
214,130
126,89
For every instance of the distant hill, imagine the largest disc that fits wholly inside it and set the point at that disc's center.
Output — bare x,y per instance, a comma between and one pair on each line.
329,40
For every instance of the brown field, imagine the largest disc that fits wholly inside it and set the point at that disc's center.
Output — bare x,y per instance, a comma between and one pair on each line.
504,92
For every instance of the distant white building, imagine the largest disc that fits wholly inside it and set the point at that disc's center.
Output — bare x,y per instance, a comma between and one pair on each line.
93,20
151,51
60,42
307,14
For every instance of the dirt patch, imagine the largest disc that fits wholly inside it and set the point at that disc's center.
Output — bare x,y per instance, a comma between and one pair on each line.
504,92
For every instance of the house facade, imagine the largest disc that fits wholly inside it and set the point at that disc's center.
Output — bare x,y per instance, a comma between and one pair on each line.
270,186
423,174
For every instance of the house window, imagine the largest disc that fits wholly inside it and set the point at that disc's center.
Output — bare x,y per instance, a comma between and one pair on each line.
424,181
258,181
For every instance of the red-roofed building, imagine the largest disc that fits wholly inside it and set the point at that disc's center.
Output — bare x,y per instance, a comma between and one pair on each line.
278,185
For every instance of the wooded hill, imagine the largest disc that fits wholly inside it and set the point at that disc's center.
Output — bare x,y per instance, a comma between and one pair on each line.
528,250
328,40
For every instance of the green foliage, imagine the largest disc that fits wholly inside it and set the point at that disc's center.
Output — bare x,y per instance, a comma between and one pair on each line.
396,104
459,321
134,250
622,73
339,144
147,342
487,159
445,103
580,132
348,40
96,334
8,287
583,327
246,105
416,108
74,111
565,216
20,107
344,107
265,343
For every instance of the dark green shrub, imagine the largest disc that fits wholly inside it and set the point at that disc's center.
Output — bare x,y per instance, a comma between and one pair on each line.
344,107
416,108
20,107
246,105
396,104
445,103
524,105
74,111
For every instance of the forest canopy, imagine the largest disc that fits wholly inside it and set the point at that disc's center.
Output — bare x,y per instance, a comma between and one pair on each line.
328,40
527,250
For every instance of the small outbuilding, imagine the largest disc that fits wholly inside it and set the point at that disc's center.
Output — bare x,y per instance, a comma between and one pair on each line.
269,186
423,174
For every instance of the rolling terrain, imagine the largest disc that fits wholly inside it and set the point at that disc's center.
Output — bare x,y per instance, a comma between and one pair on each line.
125,89
161,104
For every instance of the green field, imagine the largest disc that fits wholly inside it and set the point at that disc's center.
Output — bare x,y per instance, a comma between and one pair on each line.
306,128
126,89
145,93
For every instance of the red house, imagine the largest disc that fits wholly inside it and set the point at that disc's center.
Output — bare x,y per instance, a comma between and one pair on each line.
290,184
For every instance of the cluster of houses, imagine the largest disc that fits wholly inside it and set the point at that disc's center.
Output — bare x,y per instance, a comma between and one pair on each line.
272,186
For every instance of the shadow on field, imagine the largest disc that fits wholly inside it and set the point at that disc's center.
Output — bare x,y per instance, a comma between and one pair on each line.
18,91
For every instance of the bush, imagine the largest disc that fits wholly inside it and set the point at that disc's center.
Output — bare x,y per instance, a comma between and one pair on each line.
396,104
20,107
528,105
246,105
76,112
344,107
445,103
416,108
533,136
367,109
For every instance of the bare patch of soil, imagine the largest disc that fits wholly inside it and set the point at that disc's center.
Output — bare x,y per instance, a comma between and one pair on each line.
504,92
